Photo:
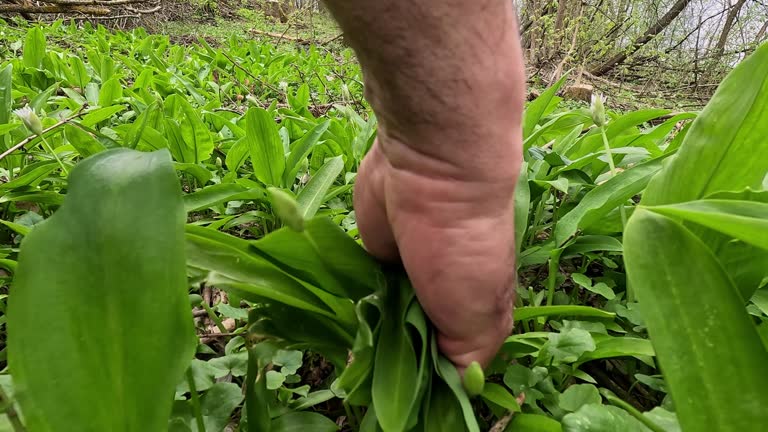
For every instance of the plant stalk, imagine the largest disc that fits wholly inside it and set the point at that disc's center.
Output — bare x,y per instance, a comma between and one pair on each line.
195,401
612,166
49,149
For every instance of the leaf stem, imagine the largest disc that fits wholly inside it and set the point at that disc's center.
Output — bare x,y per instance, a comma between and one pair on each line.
6,404
612,166
50,149
195,401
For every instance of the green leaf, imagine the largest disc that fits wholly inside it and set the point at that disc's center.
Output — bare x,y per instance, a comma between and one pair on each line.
598,202
743,220
578,395
114,294
32,177
348,272
82,141
592,243
534,423
300,150
611,347
266,147
98,115
705,342
214,195
196,135
218,404
498,395
522,206
719,151
566,347
237,155
301,421
528,312
313,195
602,418
599,288
450,375
6,94
538,107
34,48
442,412
110,92
395,384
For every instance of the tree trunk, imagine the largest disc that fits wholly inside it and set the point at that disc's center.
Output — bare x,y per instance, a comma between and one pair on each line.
729,20
649,34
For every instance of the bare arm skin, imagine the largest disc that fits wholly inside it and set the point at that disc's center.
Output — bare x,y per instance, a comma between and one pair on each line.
446,80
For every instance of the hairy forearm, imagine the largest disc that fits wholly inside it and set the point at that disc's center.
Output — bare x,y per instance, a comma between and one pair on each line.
445,77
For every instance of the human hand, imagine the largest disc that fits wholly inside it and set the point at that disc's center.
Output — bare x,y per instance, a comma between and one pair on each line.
455,237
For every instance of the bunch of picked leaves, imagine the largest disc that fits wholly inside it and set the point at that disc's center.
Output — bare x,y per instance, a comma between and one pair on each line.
315,288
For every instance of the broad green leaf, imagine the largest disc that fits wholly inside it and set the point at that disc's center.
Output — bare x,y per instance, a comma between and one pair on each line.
719,151
214,195
528,312
743,220
395,384
578,395
522,206
217,405
300,150
6,96
612,346
498,395
237,155
266,148
42,197
98,115
599,288
538,107
313,195
442,412
114,292
30,178
110,92
695,317
603,418
303,422
34,48
566,347
593,243
82,141
40,102
533,423
348,272
598,202
195,133
628,122
450,375
17,228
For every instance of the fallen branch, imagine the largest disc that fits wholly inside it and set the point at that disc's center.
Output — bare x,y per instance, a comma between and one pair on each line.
54,9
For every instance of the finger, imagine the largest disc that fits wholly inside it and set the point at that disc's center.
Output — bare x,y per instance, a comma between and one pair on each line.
370,207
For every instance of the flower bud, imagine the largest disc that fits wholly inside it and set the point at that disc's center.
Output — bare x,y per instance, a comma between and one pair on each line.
30,120
598,109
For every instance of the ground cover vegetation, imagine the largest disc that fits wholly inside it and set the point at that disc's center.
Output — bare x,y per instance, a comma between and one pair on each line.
180,252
